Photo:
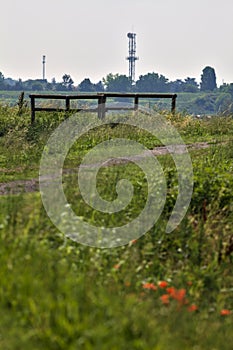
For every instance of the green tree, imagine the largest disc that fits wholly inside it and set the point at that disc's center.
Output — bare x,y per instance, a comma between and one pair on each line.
117,83
227,88
176,86
2,82
53,84
208,79
99,87
86,86
152,82
67,81
19,84
190,85
37,86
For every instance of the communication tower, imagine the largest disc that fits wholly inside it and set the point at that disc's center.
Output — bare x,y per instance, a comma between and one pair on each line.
43,63
132,55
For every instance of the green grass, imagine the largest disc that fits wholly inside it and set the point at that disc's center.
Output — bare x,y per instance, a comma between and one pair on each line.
21,144
58,294
193,103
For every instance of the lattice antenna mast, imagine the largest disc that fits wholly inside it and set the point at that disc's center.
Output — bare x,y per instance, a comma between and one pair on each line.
132,56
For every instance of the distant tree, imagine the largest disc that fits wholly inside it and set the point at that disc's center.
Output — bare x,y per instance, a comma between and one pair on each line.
32,84
99,87
2,82
37,86
208,79
176,86
86,86
67,82
117,83
152,82
53,84
190,85
58,87
27,85
228,88
9,83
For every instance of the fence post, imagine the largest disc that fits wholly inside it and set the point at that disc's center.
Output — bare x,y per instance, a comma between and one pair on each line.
173,109
67,103
136,98
101,106
32,109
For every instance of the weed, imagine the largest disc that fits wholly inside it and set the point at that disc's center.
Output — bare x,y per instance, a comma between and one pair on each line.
162,291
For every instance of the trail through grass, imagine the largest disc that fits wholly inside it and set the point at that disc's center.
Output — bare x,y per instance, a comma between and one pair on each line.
162,291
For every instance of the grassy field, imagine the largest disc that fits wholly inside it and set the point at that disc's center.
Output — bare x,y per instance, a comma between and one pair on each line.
193,103
162,291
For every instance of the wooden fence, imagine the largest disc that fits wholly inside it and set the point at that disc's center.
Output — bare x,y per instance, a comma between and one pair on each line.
101,98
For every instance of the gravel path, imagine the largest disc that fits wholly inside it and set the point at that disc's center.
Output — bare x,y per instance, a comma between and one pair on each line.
32,185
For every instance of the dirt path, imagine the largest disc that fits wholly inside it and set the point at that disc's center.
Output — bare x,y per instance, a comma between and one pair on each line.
32,185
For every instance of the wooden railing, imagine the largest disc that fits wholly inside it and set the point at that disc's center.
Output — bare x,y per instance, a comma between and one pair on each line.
101,98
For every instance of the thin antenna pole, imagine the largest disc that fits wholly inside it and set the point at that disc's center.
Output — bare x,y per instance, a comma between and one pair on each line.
43,63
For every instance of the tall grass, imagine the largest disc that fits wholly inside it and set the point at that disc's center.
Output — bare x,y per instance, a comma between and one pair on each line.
58,294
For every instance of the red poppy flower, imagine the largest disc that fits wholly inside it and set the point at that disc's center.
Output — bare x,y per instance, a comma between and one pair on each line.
162,284
171,290
192,308
179,295
225,312
165,299
149,286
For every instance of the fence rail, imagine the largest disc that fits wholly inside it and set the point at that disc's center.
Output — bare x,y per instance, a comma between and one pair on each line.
101,98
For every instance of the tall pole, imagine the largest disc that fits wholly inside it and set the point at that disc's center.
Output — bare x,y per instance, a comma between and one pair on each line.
132,56
43,62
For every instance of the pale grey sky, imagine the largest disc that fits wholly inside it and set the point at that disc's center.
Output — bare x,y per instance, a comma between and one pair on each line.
87,38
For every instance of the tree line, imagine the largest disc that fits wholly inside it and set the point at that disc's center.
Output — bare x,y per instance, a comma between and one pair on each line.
150,82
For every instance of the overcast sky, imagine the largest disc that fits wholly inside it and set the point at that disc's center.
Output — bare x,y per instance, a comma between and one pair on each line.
88,38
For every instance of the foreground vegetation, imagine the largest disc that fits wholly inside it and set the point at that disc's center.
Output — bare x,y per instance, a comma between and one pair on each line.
162,291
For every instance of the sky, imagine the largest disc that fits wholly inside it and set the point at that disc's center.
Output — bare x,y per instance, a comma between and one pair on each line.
88,39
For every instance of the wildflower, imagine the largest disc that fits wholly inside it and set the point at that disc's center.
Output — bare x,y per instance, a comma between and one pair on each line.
179,295
171,290
162,284
133,241
117,266
225,312
189,283
149,286
165,299
192,308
